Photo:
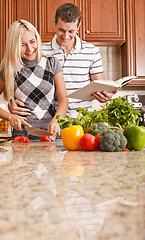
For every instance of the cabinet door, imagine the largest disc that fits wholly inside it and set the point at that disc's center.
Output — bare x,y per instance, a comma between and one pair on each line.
46,16
104,20
12,10
134,48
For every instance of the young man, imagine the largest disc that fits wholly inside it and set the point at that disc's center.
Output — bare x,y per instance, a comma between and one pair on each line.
81,61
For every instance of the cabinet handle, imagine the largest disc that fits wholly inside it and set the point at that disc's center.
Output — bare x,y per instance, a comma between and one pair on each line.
87,31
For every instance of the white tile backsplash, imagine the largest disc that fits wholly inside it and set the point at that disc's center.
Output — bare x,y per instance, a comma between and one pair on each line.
111,57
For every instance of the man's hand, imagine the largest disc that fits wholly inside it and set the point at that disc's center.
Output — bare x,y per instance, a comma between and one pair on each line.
103,96
15,109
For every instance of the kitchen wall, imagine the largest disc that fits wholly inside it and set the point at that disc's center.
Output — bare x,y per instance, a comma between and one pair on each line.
111,57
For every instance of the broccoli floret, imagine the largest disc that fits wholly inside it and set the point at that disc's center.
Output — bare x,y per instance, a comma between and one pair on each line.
95,128
99,127
112,141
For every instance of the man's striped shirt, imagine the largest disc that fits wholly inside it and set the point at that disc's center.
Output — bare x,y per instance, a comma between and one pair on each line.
83,60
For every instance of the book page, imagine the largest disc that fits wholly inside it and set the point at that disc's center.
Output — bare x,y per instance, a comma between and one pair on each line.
125,80
84,93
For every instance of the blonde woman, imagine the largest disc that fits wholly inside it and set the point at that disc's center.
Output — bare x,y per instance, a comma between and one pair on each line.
33,79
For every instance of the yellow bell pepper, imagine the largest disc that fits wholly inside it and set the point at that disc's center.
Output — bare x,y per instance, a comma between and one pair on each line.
71,137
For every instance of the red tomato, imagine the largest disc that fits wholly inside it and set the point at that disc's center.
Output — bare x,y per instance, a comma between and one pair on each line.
98,141
89,142
46,139
21,139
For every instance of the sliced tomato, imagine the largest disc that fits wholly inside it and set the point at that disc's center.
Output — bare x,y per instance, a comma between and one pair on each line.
46,139
21,139
25,139
17,139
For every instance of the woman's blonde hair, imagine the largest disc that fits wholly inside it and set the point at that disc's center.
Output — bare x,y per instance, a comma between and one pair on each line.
12,61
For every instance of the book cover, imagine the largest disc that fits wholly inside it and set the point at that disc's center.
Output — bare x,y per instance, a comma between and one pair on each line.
85,92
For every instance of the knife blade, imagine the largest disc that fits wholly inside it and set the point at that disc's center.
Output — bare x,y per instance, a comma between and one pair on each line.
38,132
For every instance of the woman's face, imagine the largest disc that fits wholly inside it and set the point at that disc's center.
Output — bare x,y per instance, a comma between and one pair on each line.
29,47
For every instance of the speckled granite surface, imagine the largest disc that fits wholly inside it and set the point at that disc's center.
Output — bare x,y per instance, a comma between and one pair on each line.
49,193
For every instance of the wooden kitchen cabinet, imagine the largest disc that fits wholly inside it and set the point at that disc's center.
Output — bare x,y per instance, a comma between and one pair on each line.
133,51
103,21
12,10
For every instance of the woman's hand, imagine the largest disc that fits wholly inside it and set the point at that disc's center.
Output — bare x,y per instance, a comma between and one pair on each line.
54,128
15,109
17,122
103,96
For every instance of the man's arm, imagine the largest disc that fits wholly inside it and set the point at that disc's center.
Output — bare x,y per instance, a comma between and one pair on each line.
101,96
17,107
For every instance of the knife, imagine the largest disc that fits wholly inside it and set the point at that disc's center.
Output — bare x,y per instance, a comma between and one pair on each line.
38,132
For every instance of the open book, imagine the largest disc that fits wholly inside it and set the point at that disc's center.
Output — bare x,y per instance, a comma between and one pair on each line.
84,93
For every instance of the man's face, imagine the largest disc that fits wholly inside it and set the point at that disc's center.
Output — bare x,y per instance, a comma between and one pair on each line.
66,32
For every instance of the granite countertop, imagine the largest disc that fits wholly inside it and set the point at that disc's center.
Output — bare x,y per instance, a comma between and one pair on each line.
47,192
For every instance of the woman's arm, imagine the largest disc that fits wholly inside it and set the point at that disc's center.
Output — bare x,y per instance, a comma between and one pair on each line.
14,120
61,94
59,81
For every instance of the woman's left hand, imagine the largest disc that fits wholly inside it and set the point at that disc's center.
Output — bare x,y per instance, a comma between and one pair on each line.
54,128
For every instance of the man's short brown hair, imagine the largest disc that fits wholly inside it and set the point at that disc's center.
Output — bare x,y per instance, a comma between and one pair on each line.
68,12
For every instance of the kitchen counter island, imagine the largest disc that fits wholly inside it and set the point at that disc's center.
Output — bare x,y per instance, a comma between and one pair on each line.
49,193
